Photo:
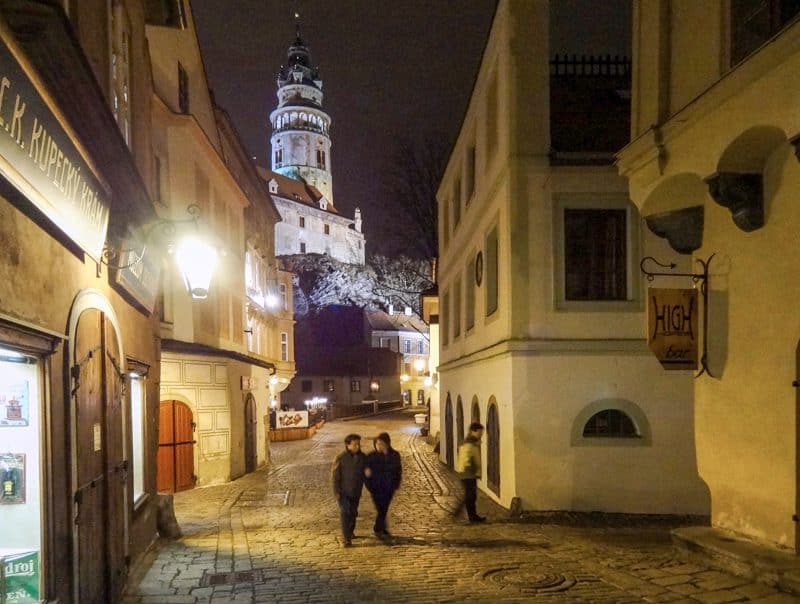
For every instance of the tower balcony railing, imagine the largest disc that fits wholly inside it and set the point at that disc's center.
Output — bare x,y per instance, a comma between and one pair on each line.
301,127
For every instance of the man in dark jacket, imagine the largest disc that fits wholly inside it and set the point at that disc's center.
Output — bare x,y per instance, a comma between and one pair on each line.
384,472
347,477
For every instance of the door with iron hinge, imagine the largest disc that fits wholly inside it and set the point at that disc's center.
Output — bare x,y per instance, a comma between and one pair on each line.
175,466
98,500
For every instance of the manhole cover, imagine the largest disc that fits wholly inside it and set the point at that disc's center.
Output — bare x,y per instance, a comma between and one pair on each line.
529,580
209,579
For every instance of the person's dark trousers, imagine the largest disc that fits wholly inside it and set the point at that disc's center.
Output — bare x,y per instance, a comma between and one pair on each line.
470,496
348,512
381,509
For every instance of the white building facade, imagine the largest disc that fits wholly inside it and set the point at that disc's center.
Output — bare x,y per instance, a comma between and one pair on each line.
301,152
542,316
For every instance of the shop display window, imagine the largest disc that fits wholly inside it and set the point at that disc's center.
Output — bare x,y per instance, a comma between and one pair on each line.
20,477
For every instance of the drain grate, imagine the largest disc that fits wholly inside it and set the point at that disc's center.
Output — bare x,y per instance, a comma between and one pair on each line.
210,579
528,580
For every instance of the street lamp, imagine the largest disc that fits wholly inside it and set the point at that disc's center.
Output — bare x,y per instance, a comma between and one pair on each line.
196,261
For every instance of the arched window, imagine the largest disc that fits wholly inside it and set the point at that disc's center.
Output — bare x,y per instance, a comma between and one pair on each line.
610,423
493,447
475,415
448,431
459,422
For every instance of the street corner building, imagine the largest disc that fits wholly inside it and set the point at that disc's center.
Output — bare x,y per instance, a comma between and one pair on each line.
117,369
713,169
542,313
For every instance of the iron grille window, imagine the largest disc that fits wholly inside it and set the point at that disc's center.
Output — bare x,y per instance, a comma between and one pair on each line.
610,423
355,385
595,254
753,22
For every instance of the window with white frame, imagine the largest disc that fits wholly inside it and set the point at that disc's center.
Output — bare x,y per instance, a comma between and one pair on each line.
120,69
420,347
284,296
491,272
597,241
284,346
138,418
407,346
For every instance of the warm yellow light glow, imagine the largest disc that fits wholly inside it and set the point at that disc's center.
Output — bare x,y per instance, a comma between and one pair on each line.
404,377
428,381
419,364
273,380
196,261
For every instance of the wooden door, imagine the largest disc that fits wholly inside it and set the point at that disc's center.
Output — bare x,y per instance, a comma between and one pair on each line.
175,465
99,501
250,434
493,449
448,432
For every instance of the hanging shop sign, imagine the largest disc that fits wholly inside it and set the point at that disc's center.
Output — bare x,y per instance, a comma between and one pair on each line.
40,156
672,327
139,272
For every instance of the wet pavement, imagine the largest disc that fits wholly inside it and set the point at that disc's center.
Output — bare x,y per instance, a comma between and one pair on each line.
273,536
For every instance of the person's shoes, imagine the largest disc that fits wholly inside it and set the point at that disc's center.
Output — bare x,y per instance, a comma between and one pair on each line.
347,543
478,519
386,534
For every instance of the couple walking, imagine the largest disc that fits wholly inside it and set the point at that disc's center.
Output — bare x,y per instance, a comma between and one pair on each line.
381,472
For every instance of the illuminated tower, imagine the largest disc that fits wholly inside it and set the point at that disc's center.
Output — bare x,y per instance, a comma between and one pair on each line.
301,144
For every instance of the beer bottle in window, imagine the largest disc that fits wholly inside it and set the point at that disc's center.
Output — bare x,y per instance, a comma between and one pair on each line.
10,485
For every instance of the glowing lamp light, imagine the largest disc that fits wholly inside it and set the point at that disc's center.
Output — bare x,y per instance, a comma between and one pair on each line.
374,386
428,381
273,380
273,403
271,300
419,364
404,377
196,261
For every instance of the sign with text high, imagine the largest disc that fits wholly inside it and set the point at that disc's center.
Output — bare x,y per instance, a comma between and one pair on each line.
42,158
672,327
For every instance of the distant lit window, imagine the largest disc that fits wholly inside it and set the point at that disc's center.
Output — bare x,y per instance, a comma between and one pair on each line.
420,347
610,423
355,385
120,69
329,385
407,346
284,346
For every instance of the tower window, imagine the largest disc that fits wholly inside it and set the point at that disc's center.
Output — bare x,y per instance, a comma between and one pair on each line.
327,229
278,157
321,158
302,248
302,222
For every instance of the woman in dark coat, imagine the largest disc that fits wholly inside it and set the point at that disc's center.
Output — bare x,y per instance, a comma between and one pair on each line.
383,471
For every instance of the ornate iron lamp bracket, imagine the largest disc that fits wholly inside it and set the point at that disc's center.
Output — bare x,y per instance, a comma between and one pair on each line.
702,278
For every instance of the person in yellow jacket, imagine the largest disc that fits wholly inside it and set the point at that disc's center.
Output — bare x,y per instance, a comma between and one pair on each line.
468,466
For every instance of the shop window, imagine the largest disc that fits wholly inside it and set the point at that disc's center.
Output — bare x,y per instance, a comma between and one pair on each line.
355,385
305,385
20,474
753,22
610,423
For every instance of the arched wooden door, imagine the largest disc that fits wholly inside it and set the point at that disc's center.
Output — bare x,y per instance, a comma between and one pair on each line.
459,422
175,471
99,499
448,431
250,434
493,449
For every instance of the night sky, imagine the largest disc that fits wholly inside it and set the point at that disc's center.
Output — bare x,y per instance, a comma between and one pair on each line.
390,68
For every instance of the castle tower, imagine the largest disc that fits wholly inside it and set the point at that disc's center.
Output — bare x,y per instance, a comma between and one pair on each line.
301,145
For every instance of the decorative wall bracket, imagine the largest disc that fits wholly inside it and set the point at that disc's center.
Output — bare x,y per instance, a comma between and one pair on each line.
702,278
683,229
742,194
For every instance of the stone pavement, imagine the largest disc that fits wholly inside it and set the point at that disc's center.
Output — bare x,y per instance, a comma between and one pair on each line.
273,536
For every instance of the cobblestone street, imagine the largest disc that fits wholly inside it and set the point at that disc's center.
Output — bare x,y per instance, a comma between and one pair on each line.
273,536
